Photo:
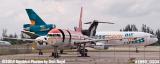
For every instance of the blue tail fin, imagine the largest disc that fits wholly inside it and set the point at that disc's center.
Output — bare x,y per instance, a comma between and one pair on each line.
35,19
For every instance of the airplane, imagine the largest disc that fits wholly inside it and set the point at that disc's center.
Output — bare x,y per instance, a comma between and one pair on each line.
37,27
125,38
4,43
118,38
60,39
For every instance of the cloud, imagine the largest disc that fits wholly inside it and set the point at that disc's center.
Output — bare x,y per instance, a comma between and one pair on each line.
65,13
133,8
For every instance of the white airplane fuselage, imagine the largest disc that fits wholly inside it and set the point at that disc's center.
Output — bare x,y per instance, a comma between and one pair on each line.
126,38
63,39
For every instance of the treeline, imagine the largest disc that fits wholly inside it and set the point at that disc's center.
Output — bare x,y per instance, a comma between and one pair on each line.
8,37
144,28
4,34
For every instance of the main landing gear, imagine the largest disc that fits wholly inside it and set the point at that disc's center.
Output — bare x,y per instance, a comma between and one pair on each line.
137,50
82,50
40,52
61,51
55,53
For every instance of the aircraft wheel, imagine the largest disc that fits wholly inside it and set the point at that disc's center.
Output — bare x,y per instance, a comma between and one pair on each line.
61,51
81,51
40,53
55,55
86,50
82,54
52,54
85,54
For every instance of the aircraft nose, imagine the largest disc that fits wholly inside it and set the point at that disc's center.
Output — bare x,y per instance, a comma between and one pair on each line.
156,39
52,41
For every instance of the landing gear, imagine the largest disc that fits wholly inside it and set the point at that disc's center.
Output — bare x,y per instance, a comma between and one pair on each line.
137,50
55,53
61,51
40,52
82,50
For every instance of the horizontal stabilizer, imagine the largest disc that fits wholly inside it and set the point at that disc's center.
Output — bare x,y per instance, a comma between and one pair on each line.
98,22
31,34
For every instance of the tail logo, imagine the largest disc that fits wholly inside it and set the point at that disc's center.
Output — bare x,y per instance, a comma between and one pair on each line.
33,22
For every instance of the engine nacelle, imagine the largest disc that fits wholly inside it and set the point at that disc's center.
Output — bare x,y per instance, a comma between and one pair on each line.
40,43
38,29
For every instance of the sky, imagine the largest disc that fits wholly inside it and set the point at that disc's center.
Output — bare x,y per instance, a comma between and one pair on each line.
65,13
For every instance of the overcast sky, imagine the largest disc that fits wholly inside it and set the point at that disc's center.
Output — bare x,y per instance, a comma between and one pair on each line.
65,13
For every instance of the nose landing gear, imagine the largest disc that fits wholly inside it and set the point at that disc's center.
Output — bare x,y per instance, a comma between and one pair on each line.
40,52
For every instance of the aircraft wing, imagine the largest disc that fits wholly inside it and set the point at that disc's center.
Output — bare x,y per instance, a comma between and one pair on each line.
89,41
31,34
97,40
15,39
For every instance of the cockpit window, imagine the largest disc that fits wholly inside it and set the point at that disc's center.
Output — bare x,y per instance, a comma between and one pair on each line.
152,36
54,35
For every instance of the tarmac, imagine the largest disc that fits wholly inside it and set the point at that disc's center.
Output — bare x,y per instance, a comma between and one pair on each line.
95,57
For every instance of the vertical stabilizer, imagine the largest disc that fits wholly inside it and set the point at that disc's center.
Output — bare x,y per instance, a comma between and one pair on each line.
34,18
93,27
79,29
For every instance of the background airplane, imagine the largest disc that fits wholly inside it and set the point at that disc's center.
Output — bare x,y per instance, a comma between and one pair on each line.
117,38
37,27
4,43
124,39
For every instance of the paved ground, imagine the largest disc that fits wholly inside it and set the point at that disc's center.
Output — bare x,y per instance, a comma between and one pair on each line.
95,57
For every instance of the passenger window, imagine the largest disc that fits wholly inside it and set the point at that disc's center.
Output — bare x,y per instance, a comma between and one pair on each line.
54,35
58,35
49,35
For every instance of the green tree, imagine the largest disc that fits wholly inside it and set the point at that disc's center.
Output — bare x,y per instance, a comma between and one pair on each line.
144,28
147,29
130,27
15,35
158,36
4,33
